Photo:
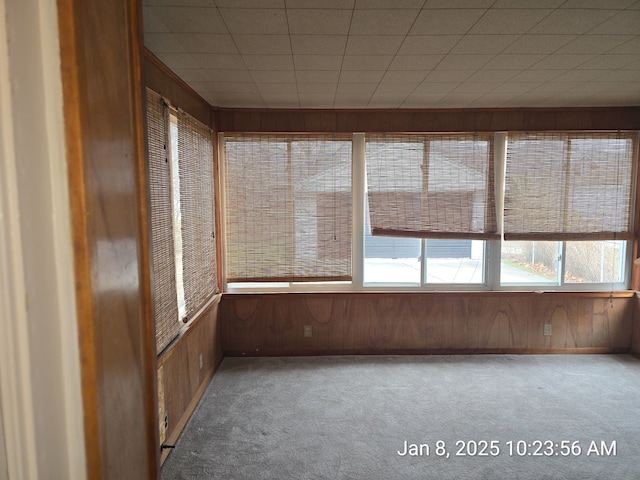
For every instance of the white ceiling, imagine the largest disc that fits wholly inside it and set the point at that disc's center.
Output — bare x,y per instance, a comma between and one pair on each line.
401,53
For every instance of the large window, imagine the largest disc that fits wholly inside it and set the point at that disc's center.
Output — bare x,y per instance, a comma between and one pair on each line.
182,216
425,211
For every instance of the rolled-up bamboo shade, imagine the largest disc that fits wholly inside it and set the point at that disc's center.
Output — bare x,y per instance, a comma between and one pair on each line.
431,186
568,186
165,303
197,208
288,211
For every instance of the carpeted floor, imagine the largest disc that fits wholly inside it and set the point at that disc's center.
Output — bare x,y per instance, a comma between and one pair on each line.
349,418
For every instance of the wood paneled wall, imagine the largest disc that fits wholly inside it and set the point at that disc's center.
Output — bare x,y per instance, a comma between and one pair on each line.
100,45
181,379
635,337
459,120
465,322
159,78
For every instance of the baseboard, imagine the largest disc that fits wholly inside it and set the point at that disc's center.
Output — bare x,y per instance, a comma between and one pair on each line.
445,351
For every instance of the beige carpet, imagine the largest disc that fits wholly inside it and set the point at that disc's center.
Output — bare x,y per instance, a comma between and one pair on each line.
542,417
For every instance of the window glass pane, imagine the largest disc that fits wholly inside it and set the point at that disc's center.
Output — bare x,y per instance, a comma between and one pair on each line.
529,262
595,262
392,260
455,261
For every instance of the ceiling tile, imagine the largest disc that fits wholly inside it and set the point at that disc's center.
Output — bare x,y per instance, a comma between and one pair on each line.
178,60
373,44
237,100
382,22
553,87
517,87
321,4
629,48
318,44
463,62
234,87
561,62
527,3
263,44
273,76
207,42
610,62
475,87
319,88
356,89
598,4
422,100
317,62
537,76
421,44
415,62
380,4
458,4
191,19
240,76
627,22
249,3
163,43
445,21
317,76
386,101
470,44
491,76
594,44
219,61
319,21
192,74
316,100
572,21
255,20
361,76
539,43
366,62
268,62
458,100
440,88
512,62
455,76
396,88
577,76
151,22
510,21
621,76
280,100
351,101
404,77
277,88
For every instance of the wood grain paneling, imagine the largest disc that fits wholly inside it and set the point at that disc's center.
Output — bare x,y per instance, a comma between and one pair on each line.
100,59
361,323
460,120
159,78
635,338
182,381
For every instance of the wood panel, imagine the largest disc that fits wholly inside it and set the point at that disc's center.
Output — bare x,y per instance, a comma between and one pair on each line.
159,78
100,57
635,341
460,120
362,323
182,380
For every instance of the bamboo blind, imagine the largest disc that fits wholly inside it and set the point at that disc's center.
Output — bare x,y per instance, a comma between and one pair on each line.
288,212
562,186
165,301
431,186
195,162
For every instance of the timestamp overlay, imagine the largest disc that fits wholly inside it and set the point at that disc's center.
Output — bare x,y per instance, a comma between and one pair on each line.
523,458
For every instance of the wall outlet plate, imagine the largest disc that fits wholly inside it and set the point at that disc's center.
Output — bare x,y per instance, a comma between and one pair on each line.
308,332
200,360
546,331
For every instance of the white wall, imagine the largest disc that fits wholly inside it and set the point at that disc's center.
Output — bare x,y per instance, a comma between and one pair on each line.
40,394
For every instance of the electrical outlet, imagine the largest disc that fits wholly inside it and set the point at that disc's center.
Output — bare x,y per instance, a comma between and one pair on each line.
166,421
547,330
201,361
307,331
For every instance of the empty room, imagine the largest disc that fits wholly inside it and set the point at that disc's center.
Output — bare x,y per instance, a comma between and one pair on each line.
320,239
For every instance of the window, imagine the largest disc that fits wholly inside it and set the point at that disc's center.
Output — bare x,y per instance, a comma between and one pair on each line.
288,208
428,211
182,216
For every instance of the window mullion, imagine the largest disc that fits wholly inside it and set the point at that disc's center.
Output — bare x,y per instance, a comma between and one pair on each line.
358,185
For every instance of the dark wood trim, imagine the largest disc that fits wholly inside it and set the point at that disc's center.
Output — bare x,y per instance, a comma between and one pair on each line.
161,79
458,120
435,293
435,351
